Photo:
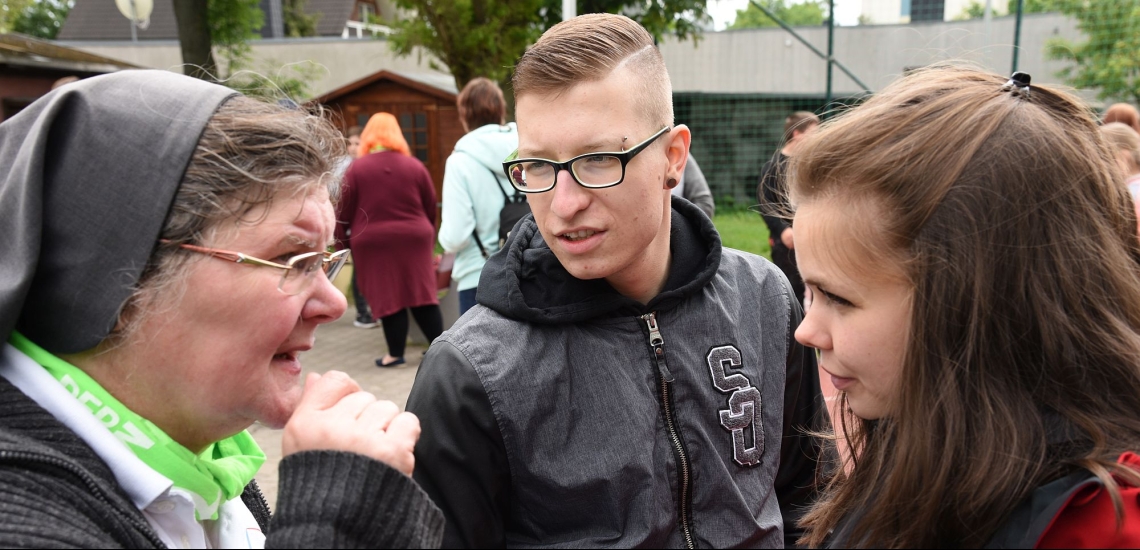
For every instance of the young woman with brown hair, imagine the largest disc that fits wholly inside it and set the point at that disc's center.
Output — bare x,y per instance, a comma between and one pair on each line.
976,281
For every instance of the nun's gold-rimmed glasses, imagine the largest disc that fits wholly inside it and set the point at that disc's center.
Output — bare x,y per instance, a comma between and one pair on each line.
298,270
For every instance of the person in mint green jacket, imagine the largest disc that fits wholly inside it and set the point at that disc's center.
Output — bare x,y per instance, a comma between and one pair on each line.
471,204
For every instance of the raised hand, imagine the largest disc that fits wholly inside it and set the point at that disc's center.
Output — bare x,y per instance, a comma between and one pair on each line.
334,414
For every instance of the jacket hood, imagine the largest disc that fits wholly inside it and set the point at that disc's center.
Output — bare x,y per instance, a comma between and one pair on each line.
527,282
489,145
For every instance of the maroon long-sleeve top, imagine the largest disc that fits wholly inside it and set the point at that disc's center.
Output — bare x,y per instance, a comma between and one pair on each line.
387,217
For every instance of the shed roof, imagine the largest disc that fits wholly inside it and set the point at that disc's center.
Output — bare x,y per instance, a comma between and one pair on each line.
438,85
25,51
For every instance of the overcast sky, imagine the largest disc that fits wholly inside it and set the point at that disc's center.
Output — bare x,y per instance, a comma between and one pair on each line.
724,11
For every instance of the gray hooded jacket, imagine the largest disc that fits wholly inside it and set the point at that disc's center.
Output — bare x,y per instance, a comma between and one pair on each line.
559,413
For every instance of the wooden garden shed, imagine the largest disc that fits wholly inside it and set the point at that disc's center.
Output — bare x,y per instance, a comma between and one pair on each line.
424,104
29,67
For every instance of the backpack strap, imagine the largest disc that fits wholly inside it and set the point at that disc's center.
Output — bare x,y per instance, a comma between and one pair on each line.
506,201
495,175
483,251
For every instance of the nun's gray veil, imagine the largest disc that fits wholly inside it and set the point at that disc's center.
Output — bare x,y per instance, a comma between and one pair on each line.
88,175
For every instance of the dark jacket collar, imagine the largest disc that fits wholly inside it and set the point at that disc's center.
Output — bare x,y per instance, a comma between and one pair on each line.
525,281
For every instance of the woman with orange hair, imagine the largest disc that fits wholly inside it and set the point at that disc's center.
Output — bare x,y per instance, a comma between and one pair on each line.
387,217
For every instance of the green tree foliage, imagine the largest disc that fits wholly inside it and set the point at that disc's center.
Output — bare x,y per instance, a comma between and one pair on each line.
1109,60
1033,6
297,22
471,37
9,11
796,14
207,24
975,10
233,23
682,19
272,81
230,25
42,18
485,37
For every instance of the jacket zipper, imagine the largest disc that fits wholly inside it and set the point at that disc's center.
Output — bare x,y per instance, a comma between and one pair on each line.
665,378
88,480
261,498
267,512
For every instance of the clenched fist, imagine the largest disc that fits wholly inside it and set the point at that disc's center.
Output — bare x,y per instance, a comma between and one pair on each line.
335,415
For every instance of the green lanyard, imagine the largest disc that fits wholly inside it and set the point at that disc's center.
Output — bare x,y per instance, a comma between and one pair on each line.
217,474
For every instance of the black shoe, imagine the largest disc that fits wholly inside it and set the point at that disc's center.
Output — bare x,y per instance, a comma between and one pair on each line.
397,361
364,320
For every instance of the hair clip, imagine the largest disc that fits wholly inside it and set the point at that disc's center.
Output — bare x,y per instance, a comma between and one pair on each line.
1018,84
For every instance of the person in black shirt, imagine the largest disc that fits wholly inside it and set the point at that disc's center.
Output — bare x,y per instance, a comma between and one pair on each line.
773,199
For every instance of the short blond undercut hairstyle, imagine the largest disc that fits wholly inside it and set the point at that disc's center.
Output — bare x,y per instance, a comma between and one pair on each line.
590,47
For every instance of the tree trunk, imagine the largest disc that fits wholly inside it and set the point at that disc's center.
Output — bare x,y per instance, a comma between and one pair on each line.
194,37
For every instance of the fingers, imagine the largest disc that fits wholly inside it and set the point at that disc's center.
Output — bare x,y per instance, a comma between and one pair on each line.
403,432
405,427
334,414
378,415
352,405
324,391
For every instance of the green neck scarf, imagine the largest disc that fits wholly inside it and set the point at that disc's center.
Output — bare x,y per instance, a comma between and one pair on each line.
217,474
377,149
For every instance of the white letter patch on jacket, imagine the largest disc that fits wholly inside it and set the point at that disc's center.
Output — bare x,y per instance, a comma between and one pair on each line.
743,405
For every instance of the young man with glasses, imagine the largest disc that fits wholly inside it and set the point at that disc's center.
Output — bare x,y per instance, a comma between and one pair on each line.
625,380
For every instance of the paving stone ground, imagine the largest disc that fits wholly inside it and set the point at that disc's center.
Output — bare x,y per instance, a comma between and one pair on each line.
341,346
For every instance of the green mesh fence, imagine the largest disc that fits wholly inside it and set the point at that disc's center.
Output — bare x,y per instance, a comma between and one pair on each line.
735,134
1091,47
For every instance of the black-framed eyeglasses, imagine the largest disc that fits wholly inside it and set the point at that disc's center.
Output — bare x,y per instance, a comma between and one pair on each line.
297,272
591,170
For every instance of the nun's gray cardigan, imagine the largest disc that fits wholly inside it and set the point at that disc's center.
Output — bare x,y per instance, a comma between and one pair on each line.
56,492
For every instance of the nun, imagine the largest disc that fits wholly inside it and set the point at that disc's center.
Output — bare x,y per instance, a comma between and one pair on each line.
164,267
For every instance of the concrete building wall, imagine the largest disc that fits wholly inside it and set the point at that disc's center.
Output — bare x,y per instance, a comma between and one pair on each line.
338,61
771,61
754,61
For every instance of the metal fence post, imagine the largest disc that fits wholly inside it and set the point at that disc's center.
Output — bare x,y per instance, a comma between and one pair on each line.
830,50
1017,34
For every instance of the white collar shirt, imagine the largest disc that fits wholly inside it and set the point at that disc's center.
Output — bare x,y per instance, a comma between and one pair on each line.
168,509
